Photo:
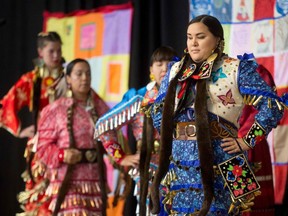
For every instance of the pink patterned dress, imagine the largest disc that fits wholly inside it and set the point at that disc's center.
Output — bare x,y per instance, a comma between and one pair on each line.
84,193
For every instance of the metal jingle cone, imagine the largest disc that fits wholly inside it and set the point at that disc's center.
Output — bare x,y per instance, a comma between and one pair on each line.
257,193
169,201
164,180
252,100
165,200
168,178
243,205
278,104
269,103
231,208
248,98
255,103
173,175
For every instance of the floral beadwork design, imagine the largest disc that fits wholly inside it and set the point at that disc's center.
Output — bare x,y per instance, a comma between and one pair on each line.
238,176
255,135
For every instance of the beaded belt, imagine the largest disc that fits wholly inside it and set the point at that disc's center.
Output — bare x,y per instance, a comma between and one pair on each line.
218,130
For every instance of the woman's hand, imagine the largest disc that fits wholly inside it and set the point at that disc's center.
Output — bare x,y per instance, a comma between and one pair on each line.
230,145
130,160
27,132
72,156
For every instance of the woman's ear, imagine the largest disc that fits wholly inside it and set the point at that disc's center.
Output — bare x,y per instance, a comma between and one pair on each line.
150,69
68,81
40,52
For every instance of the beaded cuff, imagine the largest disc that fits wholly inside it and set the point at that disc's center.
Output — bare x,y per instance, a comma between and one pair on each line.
255,135
61,155
115,150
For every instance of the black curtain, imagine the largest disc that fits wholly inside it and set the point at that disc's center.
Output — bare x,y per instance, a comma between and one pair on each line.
155,23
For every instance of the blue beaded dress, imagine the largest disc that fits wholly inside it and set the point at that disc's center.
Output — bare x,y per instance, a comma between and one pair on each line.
230,83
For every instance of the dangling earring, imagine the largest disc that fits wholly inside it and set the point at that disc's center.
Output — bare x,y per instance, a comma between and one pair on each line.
152,77
69,93
186,51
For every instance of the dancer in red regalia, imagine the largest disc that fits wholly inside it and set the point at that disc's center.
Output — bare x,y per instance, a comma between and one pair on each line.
34,89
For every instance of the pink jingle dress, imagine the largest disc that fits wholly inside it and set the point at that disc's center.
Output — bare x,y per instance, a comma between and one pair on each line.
84,194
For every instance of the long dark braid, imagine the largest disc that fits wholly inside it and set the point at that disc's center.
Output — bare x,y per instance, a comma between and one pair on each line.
167,127
147,146
102,177
101,164
36,100
205,149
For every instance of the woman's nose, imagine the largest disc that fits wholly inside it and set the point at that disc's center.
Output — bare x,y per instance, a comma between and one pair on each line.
194,42
84,76
56,55
164,67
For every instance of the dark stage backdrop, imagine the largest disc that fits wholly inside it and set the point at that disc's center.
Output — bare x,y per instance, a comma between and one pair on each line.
155,23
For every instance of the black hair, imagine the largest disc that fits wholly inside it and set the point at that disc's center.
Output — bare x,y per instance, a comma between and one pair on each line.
212,23
44,37
163,53
71,65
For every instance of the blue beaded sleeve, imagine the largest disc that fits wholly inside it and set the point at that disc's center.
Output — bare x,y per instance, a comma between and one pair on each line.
251,83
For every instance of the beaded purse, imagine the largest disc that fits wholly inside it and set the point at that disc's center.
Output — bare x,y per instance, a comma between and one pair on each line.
238,176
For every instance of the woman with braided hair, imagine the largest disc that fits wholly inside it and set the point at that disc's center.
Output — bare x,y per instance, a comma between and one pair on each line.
197,111
66,145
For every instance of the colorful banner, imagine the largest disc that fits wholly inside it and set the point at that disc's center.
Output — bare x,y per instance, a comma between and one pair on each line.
102,37
259,27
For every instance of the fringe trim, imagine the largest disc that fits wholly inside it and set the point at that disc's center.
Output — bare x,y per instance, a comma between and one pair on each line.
118,116
82,188
76,201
